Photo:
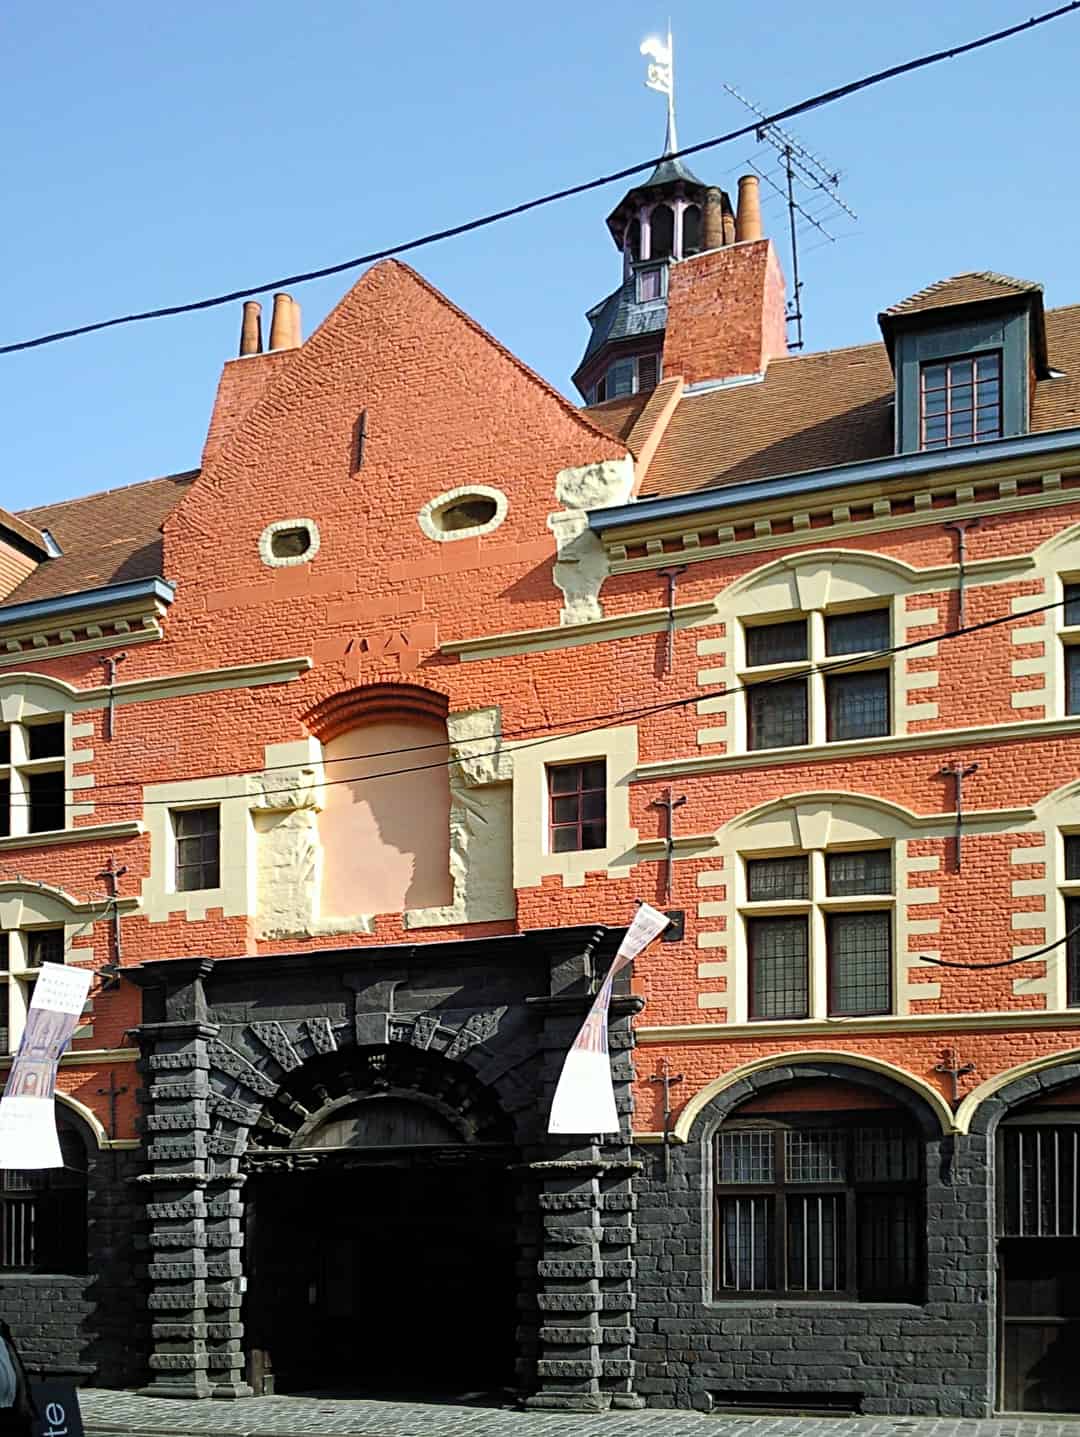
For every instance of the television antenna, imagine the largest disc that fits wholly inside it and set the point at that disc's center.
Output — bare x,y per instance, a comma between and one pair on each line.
798,167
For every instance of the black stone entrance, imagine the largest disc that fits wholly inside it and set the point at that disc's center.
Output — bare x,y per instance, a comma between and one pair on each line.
392,1274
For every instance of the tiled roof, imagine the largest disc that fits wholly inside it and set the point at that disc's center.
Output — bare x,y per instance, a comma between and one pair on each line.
966,288
617,417
819,410
106,538
620,316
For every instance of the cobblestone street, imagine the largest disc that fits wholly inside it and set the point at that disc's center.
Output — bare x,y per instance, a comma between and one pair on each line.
123,1412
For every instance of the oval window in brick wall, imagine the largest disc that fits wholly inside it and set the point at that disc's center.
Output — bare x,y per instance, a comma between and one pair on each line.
463,513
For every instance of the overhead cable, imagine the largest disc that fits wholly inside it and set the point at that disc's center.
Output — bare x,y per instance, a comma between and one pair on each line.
814,102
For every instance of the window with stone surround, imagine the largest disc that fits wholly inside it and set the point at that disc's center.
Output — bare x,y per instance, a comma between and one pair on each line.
33,782
819,934
22,953
577,806
197,839
43,1211
818,1206
796,694
1070,637
1070,892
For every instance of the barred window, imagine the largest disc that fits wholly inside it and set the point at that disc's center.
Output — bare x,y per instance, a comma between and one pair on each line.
866,632
851,944
198,848
815,1211
856,705
43,1212
1071,612
1071,895
777,714
784,643
1072,679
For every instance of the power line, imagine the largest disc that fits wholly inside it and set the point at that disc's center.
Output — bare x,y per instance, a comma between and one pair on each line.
595,723
814,102
1002,962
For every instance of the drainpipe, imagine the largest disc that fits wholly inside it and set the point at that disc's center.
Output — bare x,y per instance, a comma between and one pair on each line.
960,529
671,575
110,712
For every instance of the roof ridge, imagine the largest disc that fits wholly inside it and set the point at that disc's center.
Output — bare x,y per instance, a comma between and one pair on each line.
102,493
929,291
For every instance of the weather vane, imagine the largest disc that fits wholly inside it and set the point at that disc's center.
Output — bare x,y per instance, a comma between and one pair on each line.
660,76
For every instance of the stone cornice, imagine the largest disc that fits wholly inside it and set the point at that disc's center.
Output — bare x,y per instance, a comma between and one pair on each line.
85,833
1020,1019
863,747
616,626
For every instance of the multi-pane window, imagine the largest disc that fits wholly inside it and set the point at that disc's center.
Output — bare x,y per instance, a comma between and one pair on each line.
633,375
577,806
650,283
816,1208
960,401
33,777
22,952
821,701
819,934
1071,896
43,1212
1070,621
197,837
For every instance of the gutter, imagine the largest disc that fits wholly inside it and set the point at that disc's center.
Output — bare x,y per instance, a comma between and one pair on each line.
811,481
159,589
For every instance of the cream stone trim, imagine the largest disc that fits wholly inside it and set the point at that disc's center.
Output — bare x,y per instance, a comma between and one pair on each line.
482,821
861,747
63,642
1009,1020
618,626
289,561
723,523
1043,899
235,895
43,694
974,1100
83,833
618,747
581,563
426,516
26,906
815,823
930,1095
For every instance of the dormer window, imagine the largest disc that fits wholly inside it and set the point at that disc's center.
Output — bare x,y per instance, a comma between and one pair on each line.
651,283
627,376
960,400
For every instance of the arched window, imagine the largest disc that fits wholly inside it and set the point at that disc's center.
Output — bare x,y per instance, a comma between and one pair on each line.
818,1204
385,826
691,230
43,1211
662,226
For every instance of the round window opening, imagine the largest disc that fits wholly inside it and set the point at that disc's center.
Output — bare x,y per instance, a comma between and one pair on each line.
290,543
467,513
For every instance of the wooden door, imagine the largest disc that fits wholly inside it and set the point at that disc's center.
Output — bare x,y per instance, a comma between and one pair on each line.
1040,1324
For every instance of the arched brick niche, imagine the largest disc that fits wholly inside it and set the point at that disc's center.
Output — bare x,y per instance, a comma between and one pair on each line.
385,823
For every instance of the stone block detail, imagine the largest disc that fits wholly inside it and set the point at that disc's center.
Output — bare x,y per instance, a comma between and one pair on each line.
560,1271
321,1034
567,1367
571,1301
277,1042
228,1060
232,1110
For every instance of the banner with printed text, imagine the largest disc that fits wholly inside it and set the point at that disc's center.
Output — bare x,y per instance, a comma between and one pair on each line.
584,1100
28,1136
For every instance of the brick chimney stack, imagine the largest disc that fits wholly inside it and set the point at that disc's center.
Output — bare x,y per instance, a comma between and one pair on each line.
726,316
251,341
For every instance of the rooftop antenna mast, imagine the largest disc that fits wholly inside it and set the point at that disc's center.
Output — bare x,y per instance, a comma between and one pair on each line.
798,166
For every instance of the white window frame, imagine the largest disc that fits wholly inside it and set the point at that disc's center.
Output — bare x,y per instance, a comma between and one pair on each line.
20,976
1069,638
816,908
22,767
816,668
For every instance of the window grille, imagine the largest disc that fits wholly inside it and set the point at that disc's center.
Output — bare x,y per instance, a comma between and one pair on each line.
44,945
862,633
836,1212
960,401
779,967
849,874
648,372
776,643
1040,1185
198,848
1072,679
1072,951
1072,855
577,806
771,879
43,1213
777,714
856,705
859,963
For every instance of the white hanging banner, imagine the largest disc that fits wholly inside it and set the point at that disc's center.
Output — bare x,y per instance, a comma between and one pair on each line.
584,1100
28,1137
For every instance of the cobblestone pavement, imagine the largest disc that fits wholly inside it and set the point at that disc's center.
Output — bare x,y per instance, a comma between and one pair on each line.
309,1416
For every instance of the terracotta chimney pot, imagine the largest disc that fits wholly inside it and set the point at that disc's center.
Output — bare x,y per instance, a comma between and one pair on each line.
297,337
251,341
729,227
282,325
713,227
748,218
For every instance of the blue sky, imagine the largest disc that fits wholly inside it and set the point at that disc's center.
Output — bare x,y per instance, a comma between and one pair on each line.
156,153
